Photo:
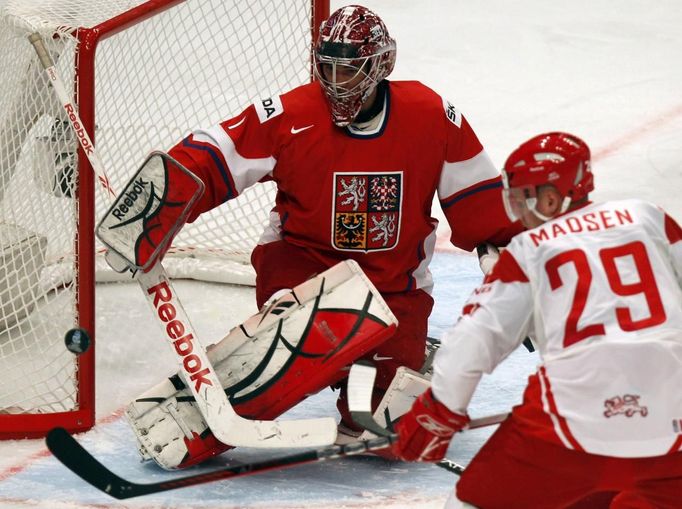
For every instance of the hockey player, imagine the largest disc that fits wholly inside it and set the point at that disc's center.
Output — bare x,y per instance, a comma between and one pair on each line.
357,160
599,289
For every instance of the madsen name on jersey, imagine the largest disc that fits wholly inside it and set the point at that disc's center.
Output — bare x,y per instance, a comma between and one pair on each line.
578,223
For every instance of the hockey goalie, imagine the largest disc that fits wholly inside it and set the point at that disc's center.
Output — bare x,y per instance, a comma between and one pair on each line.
357,161
299,343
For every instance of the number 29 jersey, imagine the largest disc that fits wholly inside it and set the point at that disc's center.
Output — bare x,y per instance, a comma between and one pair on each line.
599,290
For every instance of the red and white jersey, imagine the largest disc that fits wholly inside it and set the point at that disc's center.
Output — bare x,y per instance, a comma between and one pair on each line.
599,290
347,193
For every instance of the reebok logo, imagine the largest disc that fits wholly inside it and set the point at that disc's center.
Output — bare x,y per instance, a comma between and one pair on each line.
175,330
80,130
129,199
433,426
295,130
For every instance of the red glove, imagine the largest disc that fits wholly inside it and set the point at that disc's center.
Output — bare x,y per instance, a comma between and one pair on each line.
426,430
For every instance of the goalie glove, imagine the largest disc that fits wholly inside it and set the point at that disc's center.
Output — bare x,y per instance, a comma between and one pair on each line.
426,430
141,224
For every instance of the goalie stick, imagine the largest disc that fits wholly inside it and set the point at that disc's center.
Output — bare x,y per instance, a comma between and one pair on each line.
228,426
360,384
74,456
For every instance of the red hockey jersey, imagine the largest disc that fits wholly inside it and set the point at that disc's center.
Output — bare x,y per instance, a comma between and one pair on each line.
346,193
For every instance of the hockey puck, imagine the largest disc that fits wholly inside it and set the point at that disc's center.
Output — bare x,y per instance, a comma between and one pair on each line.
77,341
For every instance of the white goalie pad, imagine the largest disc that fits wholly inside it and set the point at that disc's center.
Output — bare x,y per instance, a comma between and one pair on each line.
19,284
405,387
161,425
294,347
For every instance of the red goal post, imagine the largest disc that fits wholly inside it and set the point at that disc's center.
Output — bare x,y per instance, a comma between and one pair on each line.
144,73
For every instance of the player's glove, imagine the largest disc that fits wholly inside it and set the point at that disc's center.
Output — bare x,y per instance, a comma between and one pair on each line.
426,430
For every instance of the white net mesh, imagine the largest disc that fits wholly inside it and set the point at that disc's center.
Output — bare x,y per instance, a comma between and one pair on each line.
189,66
267,54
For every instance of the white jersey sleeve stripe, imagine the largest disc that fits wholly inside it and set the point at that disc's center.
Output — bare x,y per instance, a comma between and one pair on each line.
245,172
461,175
422,275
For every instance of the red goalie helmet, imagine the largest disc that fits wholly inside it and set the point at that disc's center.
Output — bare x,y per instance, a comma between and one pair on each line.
353,54
559,159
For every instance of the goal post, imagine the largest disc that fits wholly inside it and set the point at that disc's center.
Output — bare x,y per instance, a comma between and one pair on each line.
143,75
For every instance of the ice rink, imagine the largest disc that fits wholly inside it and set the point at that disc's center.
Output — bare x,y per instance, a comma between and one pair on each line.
604,70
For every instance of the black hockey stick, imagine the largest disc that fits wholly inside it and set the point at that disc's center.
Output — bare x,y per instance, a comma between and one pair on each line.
70,453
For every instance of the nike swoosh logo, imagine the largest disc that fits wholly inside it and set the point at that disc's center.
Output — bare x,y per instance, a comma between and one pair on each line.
378,358
237,124
296,131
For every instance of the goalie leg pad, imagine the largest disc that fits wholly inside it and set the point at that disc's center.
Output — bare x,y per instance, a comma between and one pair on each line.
293,348
406,386
405,348
158,413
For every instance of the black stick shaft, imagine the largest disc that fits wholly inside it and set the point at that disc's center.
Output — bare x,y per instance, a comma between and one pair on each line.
69,452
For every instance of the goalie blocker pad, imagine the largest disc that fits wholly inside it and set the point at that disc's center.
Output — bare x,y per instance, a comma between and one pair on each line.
292,348
145,217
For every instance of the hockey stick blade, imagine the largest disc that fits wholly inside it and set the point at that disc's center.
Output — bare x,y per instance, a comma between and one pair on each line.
360,384
74,456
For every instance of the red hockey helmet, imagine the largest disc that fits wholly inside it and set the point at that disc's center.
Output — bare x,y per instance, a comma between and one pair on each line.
353,54
559,159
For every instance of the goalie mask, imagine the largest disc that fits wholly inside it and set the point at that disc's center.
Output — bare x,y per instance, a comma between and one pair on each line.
353,54
559,159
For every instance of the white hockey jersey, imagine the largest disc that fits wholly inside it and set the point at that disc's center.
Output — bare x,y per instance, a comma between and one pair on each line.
599,290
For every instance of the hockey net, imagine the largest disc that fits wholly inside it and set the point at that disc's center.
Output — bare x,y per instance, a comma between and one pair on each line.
144,74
